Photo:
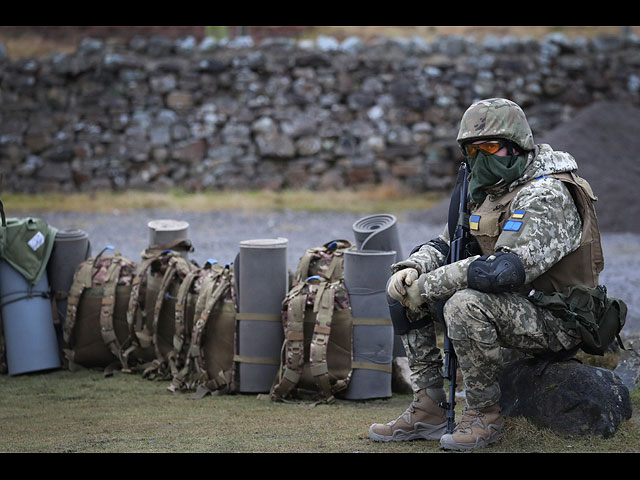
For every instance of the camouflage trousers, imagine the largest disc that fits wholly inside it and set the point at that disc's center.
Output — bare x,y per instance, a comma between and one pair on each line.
480,326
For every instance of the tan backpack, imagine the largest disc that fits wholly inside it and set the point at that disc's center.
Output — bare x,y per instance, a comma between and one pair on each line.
209,359
96,325
151,309
318,328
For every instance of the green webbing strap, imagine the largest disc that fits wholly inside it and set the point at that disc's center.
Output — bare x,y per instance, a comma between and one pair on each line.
256,360
261,317
381,367
372,321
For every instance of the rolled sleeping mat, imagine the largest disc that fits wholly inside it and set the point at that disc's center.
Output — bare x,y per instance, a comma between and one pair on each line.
167,232
30,336
365,276
71,247
262,284
380,232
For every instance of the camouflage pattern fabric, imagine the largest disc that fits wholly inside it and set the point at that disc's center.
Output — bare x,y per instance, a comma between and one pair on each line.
496,118
479,323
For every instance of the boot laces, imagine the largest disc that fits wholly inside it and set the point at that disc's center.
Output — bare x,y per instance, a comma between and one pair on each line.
469,418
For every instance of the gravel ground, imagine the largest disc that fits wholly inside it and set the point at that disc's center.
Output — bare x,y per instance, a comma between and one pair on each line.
217,235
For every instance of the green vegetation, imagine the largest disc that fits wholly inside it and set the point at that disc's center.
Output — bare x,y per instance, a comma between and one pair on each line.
63,411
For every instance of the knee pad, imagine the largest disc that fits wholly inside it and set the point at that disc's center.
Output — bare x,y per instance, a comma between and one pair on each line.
497,273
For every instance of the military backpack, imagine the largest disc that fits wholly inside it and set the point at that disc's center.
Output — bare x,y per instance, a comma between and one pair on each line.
203,354
151,309
318,328
96,325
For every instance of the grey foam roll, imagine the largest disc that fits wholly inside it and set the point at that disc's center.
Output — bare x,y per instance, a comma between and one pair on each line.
365,276
378,232
30,336
263,283
71,247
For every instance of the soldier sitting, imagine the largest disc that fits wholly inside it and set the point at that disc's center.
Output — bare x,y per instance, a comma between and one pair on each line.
530,232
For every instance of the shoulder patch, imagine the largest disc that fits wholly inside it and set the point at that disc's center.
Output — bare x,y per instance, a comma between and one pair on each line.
512,225
518,214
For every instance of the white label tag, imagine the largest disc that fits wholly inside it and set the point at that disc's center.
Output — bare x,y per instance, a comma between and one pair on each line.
36,241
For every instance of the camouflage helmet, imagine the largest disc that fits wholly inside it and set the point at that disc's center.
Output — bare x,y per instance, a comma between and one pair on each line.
496,118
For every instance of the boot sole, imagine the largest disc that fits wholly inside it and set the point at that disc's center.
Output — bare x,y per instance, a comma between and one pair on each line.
448,443
421,431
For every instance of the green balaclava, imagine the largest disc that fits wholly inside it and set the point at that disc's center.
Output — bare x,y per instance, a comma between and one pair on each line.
488,170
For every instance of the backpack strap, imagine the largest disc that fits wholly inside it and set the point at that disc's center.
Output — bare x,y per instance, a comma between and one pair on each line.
296,303
194,374
82,279
181,334
184,378
107,307
324,306
221,285
179,267
139,280
157,363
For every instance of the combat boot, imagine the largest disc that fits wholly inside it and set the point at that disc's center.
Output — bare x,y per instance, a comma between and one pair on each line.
424,419
477,429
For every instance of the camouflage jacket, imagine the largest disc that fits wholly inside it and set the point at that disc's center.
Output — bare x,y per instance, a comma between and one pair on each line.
552,228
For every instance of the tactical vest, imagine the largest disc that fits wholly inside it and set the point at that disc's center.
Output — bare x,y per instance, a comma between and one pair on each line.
580,267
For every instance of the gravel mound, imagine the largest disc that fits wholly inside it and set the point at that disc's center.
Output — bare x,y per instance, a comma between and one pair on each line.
603,139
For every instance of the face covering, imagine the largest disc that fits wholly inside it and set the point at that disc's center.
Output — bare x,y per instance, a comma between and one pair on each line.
487,170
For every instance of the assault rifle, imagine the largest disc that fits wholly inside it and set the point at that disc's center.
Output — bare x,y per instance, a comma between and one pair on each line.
459,248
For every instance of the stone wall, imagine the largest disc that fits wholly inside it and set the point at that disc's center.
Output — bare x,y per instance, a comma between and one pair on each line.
153,113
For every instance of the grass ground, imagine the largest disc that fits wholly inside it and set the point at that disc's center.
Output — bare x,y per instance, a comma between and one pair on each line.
371,199
63,411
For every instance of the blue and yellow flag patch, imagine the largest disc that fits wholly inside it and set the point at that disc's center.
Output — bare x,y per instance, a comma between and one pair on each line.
474,222
512,225
518,214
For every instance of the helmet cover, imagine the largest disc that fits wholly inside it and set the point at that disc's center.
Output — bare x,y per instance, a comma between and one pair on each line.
496,118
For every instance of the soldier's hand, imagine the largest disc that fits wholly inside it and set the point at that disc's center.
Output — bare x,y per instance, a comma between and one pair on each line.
413,300
399,280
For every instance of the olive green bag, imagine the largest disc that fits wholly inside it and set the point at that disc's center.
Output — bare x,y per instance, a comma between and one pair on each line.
598,317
